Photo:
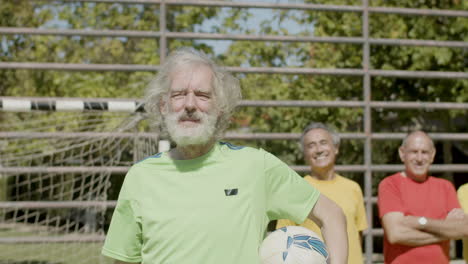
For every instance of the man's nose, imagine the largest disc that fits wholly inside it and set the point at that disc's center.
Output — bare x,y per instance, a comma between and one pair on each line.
419,156
319,148
318,151
190,102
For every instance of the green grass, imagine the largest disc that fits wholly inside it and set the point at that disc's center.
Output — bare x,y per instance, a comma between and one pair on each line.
46,253
52,253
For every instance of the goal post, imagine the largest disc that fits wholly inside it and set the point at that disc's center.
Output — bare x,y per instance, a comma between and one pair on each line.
55,175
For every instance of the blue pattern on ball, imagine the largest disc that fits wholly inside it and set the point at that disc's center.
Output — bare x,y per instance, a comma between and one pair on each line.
305,241
289,242
309,242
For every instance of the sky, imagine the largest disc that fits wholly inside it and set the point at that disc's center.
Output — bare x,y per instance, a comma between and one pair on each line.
258,16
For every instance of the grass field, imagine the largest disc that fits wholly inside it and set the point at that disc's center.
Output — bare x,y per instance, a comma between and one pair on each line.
53,253
46,253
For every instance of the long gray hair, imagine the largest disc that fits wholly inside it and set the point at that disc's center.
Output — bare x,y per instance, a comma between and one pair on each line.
227,92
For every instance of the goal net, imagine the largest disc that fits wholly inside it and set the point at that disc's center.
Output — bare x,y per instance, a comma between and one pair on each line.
55,173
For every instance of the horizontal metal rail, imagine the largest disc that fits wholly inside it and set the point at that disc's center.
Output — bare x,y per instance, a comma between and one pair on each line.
419,12
52,239
94,135
61,169
229,135
267,70
74,204
217,36
78,66
317,7
371,200
350,104
419,74
233,4
387,168
300,168
374,231
418,105
296,103
55,204
11,103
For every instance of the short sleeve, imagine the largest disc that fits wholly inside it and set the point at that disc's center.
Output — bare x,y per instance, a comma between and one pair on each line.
124,237
289,195
361,220
463,197
389,197
452,199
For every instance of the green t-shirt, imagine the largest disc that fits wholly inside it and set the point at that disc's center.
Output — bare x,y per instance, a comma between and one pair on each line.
212,209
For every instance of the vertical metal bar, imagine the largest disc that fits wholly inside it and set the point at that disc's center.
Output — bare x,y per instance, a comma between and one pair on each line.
367,129
163,30
135,149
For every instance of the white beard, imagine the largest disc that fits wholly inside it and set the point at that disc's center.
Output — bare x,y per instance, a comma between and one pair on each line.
198,134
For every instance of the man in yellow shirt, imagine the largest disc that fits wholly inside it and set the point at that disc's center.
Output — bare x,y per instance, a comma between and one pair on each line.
463,198
320,146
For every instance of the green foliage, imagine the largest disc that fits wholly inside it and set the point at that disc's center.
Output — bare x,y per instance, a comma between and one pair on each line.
256,54
100,50
293,87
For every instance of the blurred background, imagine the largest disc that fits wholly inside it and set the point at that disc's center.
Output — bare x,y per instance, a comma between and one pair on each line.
72,74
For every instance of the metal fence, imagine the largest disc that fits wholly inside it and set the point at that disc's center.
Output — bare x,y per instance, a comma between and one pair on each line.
367,104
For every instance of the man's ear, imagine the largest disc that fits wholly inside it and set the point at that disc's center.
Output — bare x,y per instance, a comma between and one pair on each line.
401,152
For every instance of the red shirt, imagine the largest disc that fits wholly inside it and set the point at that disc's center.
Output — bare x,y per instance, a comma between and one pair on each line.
433,198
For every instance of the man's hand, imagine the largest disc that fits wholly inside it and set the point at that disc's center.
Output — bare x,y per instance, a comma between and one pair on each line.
403,230
454,226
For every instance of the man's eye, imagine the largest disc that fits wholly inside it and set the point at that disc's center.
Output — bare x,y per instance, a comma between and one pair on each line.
204,96
177,95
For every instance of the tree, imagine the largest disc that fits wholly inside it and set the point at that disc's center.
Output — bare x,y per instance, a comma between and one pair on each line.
326,55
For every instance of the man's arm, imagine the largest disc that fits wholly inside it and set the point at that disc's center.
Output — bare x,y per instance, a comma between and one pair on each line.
449,228
332,221
400,231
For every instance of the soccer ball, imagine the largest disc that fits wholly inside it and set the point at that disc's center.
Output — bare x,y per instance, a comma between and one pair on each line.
293,245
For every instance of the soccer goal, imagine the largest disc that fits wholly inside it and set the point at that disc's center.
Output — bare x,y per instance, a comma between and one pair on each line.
55,172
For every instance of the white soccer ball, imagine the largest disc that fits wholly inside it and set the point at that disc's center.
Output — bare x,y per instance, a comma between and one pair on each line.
293,245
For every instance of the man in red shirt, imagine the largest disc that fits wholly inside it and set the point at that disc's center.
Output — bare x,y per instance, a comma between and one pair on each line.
411,202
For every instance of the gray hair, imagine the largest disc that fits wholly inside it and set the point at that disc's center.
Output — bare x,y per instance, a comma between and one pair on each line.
226,87
316,125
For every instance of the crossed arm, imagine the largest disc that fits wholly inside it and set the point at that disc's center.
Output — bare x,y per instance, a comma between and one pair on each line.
454,226
405,230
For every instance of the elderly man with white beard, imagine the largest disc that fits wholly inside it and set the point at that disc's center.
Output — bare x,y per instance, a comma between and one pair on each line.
208,201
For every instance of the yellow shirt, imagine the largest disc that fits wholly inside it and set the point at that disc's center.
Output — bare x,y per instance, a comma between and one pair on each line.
463,198
348,195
